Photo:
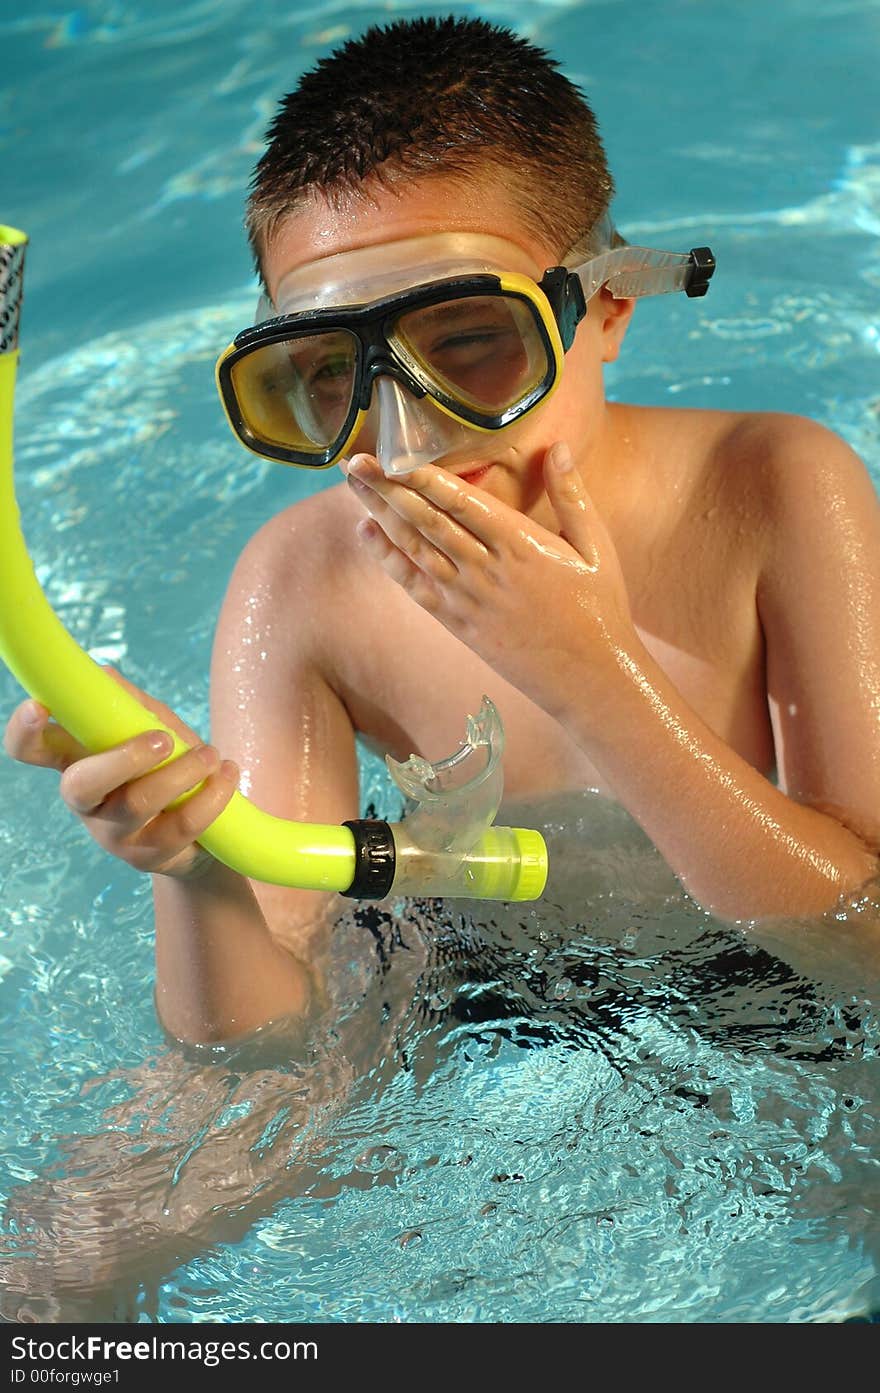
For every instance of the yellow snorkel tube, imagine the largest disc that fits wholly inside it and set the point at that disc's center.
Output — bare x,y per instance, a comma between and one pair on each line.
444,846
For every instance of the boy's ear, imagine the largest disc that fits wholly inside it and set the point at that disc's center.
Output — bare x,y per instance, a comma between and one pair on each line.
616,315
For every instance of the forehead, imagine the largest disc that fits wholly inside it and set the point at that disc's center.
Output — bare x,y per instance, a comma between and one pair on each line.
400,222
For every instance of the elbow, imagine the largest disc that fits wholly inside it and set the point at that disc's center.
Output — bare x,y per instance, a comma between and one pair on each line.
795,896
223,1026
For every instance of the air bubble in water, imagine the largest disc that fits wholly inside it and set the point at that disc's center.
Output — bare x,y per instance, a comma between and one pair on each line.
380,1158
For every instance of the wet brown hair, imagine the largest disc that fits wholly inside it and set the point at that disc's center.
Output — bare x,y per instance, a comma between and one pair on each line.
449,97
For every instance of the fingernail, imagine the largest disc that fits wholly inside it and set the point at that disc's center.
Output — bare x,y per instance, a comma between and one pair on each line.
208,755
561,457
161,742
229,770
344,465
31,713
360,464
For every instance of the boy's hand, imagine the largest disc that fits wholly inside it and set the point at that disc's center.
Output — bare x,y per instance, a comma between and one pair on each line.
549,613
121,795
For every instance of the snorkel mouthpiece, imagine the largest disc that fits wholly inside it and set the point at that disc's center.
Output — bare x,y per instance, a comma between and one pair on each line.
452,801
446,844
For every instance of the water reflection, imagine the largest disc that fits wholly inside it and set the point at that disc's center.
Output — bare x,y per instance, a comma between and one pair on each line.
561,1091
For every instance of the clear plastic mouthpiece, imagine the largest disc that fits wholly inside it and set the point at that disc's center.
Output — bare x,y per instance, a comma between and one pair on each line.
446,844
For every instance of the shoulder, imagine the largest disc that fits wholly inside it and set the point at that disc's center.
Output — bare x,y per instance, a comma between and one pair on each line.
820,511
779,475
306,549
794,465
294,579
312,525
762,446
767,483
820,562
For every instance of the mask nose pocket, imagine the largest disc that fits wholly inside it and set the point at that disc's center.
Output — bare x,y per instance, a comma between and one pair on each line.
411,432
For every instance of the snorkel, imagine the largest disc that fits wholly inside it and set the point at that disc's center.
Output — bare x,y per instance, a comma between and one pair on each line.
445,847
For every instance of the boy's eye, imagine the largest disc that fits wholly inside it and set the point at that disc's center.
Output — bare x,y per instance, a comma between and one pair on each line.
465,336
329,370
473,341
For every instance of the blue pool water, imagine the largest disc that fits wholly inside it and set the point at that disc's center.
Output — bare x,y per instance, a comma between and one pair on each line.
606,1107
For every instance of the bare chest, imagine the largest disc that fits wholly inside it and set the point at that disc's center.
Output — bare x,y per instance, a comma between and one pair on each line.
408,684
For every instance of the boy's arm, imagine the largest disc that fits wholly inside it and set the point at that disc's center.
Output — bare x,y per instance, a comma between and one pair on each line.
819,604
232,954
742,847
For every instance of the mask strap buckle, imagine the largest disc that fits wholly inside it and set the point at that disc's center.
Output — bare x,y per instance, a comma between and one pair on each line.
566,298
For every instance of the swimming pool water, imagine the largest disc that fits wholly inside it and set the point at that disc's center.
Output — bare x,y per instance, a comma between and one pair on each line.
516,1114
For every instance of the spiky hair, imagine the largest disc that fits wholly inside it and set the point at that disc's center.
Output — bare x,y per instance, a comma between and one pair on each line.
441,97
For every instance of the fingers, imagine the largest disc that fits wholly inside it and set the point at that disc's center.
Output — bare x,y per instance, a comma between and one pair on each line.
433,506
32,738
409,538
129,797
571,502
125,797
130,784
398,566
158,708
170,836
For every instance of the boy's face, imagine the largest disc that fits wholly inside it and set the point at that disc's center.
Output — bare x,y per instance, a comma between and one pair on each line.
575,413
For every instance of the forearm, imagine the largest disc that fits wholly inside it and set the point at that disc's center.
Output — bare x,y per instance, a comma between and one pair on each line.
740,846
219,972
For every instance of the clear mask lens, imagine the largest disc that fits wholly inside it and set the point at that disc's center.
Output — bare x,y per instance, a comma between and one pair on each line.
484,351
298,393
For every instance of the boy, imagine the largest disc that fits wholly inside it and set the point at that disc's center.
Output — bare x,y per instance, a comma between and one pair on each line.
667,605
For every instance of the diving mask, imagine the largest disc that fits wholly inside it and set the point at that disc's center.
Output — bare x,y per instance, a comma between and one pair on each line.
453,342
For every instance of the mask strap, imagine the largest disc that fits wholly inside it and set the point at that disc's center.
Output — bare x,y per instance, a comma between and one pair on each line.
265,310
633,271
